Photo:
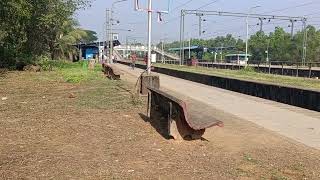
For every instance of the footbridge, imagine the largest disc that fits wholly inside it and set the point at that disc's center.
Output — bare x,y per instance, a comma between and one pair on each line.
125,50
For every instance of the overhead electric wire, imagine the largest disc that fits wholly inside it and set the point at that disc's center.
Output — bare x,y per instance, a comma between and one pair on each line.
276,10
182,5
291,7
316,13
283,9
176,18
214,1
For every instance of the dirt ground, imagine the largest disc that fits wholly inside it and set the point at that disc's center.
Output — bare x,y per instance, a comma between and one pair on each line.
50,129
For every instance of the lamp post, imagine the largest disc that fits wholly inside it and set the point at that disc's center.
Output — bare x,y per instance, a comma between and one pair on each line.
162,41
189,47
305,40
149,36
111,34
247,23
128,30
267,51
221,52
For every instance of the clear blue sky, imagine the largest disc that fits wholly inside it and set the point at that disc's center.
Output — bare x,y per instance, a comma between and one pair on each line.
93,18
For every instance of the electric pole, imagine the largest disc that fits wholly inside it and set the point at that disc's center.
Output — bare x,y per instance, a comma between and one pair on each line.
149,35
305,38
110,41
200,25
221,52
261,24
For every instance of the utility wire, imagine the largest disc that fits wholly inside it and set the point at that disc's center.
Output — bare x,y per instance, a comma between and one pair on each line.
277,10
214,1
291,7
186,3
176,18
316,13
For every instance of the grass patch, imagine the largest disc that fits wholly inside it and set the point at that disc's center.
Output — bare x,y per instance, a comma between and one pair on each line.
278,176
93,90
75,72
251,75
98,91
107,94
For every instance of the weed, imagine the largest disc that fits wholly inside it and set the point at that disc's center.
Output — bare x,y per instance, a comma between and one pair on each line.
241,172
277,176
249,158
298,167
247,70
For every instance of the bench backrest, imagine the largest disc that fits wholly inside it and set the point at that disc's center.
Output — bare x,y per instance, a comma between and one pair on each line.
111,68
198,115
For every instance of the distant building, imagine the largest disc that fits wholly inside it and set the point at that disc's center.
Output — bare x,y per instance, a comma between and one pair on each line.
94,50
236,58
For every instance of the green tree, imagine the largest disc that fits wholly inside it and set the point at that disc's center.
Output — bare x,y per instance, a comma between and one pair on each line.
258,44
64,46
90,37
313,44
14,15
280,45
31,28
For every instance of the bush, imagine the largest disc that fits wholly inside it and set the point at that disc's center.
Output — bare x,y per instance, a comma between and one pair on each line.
248,69
49,65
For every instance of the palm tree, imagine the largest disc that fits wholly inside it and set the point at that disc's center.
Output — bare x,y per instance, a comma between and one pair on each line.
68,38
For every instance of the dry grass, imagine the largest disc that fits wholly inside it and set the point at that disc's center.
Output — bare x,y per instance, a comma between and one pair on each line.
101,133
250,74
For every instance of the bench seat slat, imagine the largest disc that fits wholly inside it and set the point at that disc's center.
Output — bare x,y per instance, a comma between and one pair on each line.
198,115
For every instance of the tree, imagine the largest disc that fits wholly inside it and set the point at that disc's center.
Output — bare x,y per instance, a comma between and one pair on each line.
64,46
258,44
31,28
14,16
313,44
280,45
90,37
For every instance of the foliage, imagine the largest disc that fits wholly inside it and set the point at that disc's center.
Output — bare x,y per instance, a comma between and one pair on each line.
220,41
91,36
279,45
248,70
208,56
74,72
257,45
30,29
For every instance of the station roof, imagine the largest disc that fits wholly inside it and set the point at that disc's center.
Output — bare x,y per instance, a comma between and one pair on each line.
96,44
203,48
186,48
228,55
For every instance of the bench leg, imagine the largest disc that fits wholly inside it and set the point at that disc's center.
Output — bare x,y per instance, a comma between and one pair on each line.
173,131
117,77
180,131
149,104
179,128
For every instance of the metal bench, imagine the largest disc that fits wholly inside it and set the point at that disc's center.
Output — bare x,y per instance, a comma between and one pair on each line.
111,71
181,117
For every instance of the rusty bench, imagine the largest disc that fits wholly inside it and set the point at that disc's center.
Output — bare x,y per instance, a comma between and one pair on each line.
111,71
181,117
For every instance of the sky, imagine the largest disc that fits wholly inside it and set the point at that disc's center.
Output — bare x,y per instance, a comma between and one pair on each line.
94,18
